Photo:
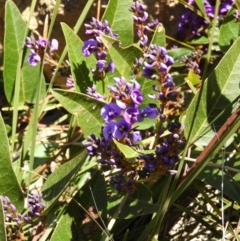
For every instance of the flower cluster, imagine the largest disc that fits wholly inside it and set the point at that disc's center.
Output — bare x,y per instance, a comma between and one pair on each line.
124,113
37,48
196,24
14,221
120,116
95,45
121,182
140,17
92,91
193,64
166,153
156,65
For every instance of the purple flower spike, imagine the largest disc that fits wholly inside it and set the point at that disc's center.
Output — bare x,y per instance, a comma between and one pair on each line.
110,111
131,115
108,130
89,47
121,129
34,59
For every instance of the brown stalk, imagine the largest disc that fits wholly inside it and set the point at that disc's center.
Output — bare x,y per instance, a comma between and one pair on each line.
212,143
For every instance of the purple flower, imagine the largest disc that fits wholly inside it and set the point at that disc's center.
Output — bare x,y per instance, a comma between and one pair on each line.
131,115
108,130
110,67
101,65
30,42
137,97
149,73
101,55
136,136
34,59
89,47
121,129
70,81
110,111
42,42
150,111
54,45
168,82
92,92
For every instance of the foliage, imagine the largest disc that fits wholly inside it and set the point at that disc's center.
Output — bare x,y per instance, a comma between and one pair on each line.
102,148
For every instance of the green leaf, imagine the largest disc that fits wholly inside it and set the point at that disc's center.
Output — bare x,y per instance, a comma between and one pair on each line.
159,37
60,178
219,94
9,185
2,223
94,192
229,30
123,58
201,6
120,20
13,44
137,204
86,108
193,78
127,151
201,40
63,229
80,65
30,80
146,88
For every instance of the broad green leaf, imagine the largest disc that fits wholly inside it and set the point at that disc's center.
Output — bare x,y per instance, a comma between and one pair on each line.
137,204
30,80
60,178
219,94
86,108
94,192
63,229
2,222
229,31
13,44
80,65
9,185
120,20
159,37
123,58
